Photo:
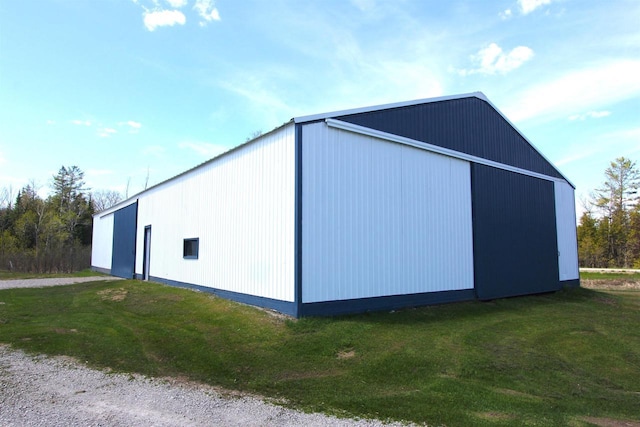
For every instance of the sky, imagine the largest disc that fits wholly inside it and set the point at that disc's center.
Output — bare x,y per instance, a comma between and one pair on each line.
134,92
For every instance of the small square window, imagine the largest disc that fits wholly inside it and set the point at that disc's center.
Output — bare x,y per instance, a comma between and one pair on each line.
190,248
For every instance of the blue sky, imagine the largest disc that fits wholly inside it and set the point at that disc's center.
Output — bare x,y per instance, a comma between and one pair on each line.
126,88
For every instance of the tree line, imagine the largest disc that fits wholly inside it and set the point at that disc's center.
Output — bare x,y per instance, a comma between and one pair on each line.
609,229
52,234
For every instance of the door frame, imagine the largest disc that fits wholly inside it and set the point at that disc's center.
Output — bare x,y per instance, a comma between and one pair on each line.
146,256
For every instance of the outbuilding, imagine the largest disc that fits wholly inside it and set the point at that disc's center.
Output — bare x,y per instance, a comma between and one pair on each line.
377,208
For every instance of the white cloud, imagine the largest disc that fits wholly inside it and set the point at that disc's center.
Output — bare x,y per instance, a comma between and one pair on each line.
587,89
207,11
51,122
364,5
578,153
590,115
134,127
528,6
493,60
626,142
506,14
81,122
162,18
106,132
254,89
205,149
177,3
130,123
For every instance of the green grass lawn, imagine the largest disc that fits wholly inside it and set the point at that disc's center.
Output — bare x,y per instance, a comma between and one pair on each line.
553,359
606,276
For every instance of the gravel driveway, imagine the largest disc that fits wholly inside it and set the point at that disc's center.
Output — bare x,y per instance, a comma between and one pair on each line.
57,281
60,391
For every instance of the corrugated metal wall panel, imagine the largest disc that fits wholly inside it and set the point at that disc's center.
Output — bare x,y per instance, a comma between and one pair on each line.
124,241
514,232
241,207
468,125
381,219
102,242
566,226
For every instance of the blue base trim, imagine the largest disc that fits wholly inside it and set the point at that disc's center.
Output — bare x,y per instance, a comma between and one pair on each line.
101,270
575,283
394,302
285,307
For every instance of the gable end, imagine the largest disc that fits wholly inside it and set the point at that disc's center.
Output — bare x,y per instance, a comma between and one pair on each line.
468,125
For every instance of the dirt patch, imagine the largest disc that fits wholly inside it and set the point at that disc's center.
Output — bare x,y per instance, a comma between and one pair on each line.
346,354
494,416
607,301
610,284
113,294
608,422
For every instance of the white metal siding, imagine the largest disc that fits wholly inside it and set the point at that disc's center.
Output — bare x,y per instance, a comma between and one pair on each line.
381,218
102,241
241,207
566,231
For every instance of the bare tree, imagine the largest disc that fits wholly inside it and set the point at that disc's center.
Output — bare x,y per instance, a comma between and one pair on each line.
254,135
146,180
126,191
6,197
104,199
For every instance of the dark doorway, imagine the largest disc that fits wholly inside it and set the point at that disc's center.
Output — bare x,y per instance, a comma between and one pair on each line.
146,260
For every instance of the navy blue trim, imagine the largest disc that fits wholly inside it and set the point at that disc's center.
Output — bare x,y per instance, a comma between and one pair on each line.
575,283
297,269
285,307
393,302
101,270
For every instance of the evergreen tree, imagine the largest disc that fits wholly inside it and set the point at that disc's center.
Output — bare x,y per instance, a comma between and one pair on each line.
590,253
613,238
51,235
75,209
634,236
